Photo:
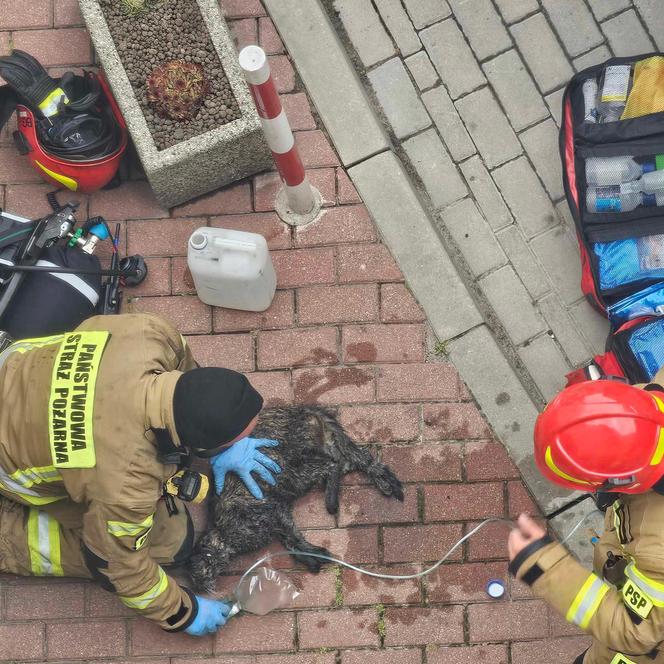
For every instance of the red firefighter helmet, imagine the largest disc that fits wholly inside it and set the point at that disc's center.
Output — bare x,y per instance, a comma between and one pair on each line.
85,172
602,434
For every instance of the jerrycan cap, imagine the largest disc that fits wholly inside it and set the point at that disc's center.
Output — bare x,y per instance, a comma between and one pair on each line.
198,240
495,588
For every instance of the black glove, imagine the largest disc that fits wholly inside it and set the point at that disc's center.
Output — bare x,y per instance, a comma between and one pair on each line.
32,83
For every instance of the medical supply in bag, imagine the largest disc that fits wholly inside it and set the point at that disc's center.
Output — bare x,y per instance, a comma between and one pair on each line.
615,90
618,170
646,302
590,90
631,260
621,198
647,95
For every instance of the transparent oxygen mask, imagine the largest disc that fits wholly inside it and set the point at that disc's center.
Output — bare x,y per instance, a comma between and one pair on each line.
261,591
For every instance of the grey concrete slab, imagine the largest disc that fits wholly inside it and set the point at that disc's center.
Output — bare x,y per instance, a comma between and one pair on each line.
546,364
399,24
398,98
498,391
564,214
541,144
331,82
437,171
574,24
426,12
366,32
525,196
407,231
448,122
557,253
605,8
486,193
422,71
594,57
626,35
653,17
523,261
540,49
557,316
515,89
515,10
512,303
555,103
472,234
447,48
593,325
489,128
482,26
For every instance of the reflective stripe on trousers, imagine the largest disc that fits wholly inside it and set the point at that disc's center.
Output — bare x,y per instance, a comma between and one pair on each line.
126,529
44,544
587,601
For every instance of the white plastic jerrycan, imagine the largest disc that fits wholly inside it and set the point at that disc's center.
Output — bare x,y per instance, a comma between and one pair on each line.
231,269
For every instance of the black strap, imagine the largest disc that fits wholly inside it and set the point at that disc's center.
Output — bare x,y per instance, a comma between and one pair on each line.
181,612
532,574
95,565
653,387
526,552
567,506
168,452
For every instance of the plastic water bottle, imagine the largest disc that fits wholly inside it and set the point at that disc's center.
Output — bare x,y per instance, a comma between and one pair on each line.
621,198
650,182
616,170
614,92
590,89
231,269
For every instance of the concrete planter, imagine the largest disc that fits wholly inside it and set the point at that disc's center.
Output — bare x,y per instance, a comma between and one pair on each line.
202,163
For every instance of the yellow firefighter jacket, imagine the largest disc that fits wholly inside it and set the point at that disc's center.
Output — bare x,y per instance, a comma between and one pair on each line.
77,420
626,620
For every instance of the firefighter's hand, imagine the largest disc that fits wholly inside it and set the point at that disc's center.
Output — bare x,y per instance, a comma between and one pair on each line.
244,458
526,532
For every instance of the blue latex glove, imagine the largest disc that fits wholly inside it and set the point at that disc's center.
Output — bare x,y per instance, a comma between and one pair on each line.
243,458
212,614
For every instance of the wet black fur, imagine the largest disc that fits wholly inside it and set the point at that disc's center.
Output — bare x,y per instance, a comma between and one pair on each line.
314,451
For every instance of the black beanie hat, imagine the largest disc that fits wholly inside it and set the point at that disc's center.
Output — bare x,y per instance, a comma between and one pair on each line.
211,406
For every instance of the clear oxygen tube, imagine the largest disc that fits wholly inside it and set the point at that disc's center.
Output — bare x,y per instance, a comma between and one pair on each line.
261,589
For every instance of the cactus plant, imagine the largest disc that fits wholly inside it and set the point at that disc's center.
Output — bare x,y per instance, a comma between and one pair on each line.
135,7
176,89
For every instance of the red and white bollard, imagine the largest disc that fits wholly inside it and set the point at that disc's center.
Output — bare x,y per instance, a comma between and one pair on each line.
298,202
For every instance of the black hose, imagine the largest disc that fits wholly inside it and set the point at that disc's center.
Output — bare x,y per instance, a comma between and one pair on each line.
68,270
52,199
567,506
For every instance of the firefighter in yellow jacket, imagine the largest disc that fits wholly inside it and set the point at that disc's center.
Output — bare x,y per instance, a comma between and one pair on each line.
96,431
606,437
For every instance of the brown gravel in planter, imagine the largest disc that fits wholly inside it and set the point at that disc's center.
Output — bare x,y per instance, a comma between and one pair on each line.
170,30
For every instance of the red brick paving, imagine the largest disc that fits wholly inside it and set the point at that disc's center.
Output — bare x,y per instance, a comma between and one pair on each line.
344,330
